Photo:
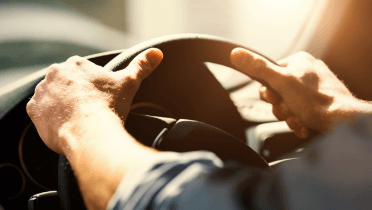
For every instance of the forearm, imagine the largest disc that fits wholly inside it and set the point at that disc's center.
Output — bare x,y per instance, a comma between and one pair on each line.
100,152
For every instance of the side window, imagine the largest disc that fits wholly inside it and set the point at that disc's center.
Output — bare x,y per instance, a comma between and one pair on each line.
20,58
30,53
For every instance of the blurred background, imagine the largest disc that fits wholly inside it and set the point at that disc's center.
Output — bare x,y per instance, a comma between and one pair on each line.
34,34
37,33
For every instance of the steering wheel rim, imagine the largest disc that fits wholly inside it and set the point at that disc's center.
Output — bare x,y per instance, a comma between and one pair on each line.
200,45
204,47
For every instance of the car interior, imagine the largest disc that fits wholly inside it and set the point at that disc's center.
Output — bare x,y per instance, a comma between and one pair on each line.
201,94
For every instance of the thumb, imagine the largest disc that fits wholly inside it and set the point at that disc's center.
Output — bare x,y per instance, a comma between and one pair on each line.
143,64
256,67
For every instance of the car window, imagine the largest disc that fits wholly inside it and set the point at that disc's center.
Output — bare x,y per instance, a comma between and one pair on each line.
17,54
20,58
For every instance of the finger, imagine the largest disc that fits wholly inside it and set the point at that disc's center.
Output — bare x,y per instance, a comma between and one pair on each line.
143,64
263,94
302,133
281,111
39,90
52,71
76,60
30,108
33,110
268,96
256,66
294,123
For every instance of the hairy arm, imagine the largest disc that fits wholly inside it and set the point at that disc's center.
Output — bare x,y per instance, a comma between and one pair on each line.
79,110
100,152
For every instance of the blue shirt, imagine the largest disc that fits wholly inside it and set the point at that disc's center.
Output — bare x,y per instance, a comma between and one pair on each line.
194,180
334,172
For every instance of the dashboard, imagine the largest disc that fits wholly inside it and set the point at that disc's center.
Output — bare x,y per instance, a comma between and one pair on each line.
16,175
27,166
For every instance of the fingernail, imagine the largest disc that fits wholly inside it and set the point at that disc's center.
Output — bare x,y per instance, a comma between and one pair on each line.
263,89
264,94
239,56
155,57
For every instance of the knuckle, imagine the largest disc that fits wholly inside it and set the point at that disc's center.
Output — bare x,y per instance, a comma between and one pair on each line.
52,71
306,55
30,108
39,87
259,64
54,67
144,66
77,60
39,90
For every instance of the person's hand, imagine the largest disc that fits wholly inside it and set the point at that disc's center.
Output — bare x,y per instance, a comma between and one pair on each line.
313,97
79,88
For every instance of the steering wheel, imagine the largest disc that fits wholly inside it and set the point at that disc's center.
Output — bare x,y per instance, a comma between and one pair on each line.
168,134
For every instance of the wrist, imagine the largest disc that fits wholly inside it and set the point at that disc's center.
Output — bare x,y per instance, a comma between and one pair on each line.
348,109
101,152
85,124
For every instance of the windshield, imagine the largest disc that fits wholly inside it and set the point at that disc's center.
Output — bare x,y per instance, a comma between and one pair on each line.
50,31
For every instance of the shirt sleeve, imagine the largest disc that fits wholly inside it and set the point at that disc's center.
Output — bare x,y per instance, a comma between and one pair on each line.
193,180
333,172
